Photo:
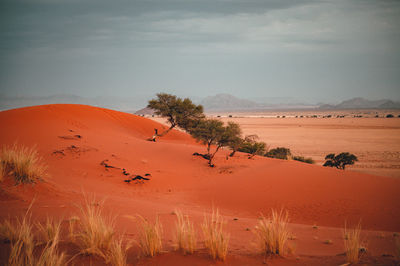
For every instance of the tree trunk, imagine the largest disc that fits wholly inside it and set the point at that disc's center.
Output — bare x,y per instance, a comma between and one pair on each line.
166,131
232,153
212,156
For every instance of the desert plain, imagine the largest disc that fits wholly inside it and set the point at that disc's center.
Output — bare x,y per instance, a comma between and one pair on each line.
87,150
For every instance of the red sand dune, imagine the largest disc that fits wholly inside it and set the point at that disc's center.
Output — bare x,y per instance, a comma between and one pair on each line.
75,139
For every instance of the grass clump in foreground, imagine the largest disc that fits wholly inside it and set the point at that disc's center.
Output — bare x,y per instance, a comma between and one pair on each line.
23,244
352,243
49,230
150,236
185,234
22,163
2,171
94,233
215,239
272,233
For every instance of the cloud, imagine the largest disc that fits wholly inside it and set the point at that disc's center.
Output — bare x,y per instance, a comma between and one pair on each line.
226,43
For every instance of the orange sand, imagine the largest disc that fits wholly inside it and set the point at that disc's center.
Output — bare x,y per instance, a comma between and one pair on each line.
239,187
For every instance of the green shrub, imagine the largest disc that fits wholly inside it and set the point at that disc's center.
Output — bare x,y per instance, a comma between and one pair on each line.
252,146
303,159
279,153
341,160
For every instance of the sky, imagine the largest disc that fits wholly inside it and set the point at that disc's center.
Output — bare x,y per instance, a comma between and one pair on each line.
256,49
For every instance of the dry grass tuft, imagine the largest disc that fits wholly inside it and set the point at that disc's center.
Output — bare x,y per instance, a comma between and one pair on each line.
273,233
185,234
117,254
397,243
23,243
8,231
150,237
50,255
72,223
94,233
215,239
352,243
23,163
2,171
50,230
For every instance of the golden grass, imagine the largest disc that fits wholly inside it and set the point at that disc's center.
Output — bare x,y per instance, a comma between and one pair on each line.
8,231
352,243
150,236
50,255
185,234
2,171
215,239
72,223
94,233
117,254
23,163
273,233
23,243
50,230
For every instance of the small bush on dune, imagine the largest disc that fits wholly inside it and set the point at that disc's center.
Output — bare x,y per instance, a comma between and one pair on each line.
279,153
215,239
185,234
95,233
272,233
303,159
341,160
23,163
352,243
251,146
150,237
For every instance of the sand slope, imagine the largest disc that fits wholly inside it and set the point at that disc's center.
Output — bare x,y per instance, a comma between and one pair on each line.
75,139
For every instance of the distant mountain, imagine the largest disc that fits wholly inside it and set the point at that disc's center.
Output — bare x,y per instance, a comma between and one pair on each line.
361,103
145,111
228,102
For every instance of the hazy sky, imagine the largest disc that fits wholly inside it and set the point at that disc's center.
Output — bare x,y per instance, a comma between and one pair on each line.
311,50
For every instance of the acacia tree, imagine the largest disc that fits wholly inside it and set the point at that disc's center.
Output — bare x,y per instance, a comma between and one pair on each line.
341,160
252,146
213,132
182,113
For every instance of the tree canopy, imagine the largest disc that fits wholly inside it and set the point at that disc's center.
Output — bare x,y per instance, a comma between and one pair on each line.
341,160
213,132
179,112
